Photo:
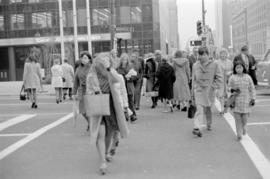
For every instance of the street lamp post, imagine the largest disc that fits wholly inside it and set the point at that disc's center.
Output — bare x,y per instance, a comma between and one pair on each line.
61,30
113,24
89,40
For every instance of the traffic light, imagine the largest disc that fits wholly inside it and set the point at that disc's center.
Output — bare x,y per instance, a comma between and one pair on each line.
199,28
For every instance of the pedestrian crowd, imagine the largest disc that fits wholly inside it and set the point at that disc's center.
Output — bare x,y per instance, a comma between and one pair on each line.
190,83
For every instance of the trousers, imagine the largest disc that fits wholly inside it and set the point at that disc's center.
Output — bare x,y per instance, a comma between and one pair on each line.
203,112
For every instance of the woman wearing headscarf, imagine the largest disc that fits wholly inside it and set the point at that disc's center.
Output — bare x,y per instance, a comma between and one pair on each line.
80,82
181,90
32,78
101,78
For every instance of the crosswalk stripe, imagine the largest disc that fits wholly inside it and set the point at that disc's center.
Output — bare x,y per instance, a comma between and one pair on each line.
258,123
12,148
15,120
14,135
257,157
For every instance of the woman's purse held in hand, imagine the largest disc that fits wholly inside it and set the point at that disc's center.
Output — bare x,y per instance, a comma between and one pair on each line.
22,94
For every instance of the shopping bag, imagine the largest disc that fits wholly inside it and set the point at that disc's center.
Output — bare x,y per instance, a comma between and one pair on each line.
191,111
218,105
97,105
22,94
75,109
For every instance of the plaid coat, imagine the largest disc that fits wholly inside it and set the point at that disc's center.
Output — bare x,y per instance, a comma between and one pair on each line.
247,92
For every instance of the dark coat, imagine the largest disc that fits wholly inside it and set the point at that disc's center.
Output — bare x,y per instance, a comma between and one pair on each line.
166,78
150,74
252,64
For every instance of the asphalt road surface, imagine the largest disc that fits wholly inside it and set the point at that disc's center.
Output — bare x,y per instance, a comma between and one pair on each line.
43,143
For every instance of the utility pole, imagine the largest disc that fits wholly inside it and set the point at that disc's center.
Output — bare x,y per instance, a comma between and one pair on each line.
203,13
75,26
61,30
89,39
113,24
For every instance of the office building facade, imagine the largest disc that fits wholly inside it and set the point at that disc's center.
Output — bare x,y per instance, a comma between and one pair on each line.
27,25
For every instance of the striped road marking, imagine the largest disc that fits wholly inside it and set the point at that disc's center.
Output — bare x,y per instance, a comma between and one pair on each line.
258,123
12,148
15,121
14,135
259,160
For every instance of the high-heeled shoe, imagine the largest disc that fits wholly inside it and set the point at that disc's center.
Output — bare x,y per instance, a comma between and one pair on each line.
108,158
33,105
103,169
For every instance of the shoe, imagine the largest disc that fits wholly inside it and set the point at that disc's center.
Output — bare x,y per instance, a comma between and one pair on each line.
103,168
209,127
153,106
184,109
197,132
117,143
57,101
133,118
178,106
60,100
33,105
137,108
88,128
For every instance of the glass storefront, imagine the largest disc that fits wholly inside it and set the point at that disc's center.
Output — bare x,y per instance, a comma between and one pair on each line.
40,18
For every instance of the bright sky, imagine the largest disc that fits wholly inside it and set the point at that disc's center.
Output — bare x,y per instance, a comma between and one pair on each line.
189,12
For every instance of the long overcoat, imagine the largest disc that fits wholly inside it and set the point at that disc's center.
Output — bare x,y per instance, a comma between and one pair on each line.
166,78
150,74
31,75
68,74
205,80
181,90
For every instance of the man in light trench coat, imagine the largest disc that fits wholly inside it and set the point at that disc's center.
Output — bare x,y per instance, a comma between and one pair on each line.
206,78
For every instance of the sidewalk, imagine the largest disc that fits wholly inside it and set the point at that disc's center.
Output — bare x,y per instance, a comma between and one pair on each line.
13,88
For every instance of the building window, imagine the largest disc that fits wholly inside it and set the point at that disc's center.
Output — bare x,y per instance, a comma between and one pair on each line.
67,18
81,17
1,23
125,15
136,15
15,1
17,22
41,20
101,16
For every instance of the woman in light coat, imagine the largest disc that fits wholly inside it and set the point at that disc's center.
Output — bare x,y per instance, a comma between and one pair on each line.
181,90
101,78
226,66
32,79
68,74
57,79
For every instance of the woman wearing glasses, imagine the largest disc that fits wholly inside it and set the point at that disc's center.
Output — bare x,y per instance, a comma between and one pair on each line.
206,78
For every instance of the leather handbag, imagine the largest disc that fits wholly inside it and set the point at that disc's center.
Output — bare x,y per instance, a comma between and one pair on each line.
97,105
22,94
191,111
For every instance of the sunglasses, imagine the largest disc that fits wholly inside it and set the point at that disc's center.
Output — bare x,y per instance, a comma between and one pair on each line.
201,52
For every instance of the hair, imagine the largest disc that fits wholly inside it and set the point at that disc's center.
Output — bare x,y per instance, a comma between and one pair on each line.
178,54
244,48
224,50
56,60
239,63
124,55
66,60
87,54
203,48
158,52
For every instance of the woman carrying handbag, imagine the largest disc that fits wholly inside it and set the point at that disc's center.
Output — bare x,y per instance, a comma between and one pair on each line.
32,78
99,80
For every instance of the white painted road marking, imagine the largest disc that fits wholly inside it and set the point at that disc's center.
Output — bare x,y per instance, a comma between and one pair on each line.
12,148
14,135
15,120
258,123
259,160
40,114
